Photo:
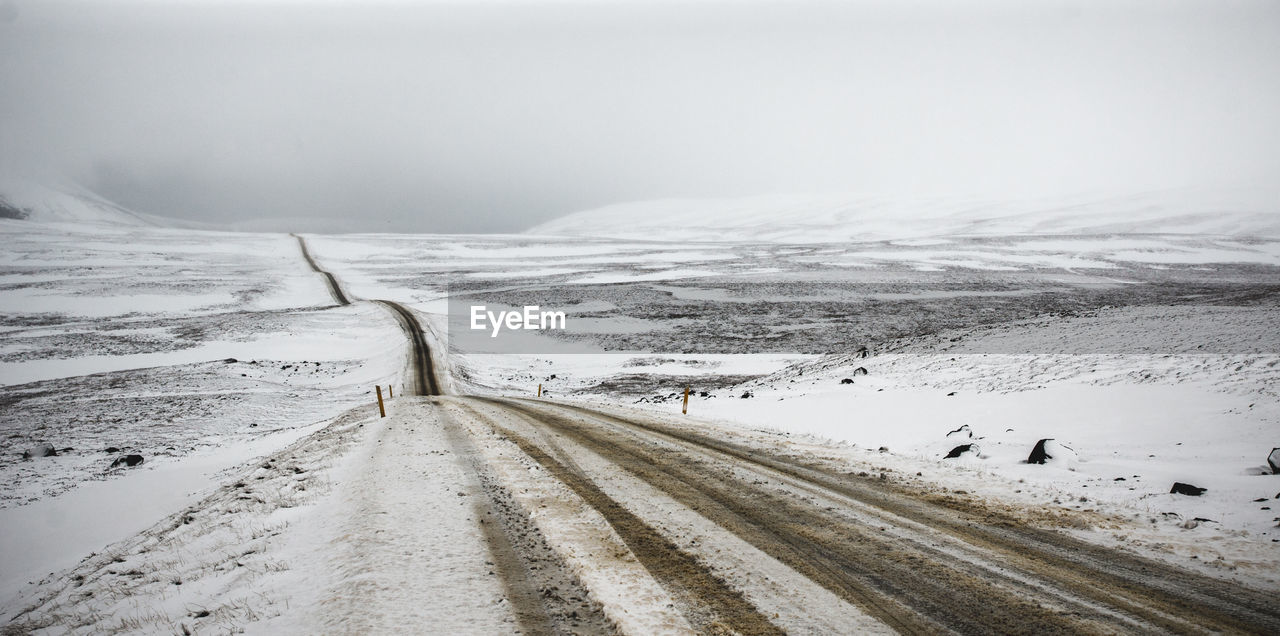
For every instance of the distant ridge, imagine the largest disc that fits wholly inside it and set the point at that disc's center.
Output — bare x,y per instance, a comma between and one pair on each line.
817,219
65,203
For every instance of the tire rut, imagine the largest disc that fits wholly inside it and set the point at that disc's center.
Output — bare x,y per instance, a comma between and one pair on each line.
1165,596
712,605
912,589
545,597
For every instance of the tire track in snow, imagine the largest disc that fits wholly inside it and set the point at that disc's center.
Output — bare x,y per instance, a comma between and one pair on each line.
713,606
1159,595
545,597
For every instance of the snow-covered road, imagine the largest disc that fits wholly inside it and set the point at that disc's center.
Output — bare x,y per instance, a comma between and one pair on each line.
493,515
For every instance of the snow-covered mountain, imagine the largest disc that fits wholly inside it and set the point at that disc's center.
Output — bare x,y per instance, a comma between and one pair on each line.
805,219
64,203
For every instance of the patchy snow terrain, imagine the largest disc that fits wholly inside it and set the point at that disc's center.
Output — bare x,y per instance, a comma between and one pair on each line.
807,490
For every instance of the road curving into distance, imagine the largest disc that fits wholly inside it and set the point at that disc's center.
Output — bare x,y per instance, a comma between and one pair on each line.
422,370
917,562
334,288
424,373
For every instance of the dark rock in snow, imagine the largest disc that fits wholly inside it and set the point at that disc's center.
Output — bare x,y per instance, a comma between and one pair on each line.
127,460
846,381
42,449
111,449
960,450
1038,454
963,430
745,395
862,352
230,361
860,371
1274,461
1180,488
703,394
951,394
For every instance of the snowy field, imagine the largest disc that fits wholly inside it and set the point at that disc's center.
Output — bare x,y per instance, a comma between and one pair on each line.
197,351
1146,359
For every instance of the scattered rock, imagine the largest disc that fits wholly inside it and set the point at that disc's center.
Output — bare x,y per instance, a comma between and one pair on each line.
745,395
127,460
111,449
963,430
1274,461
860,371
703,394
230,361
863,352
1038,454
1180,488
846,381
1259,500
951,394
884,449
1118,479
960,450
43,449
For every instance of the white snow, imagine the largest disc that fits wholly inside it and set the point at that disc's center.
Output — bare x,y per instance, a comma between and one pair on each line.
846,218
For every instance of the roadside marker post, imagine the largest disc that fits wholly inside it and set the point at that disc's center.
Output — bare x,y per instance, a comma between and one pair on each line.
684,410
390,393
539,389
382,410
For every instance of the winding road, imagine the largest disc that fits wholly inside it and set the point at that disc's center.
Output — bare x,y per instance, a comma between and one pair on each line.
748,539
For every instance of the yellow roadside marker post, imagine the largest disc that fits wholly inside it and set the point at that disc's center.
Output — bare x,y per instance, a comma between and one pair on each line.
390,393
539,389
382,410
685,409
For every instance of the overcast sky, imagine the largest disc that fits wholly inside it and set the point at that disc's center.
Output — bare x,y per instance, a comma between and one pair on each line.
493,116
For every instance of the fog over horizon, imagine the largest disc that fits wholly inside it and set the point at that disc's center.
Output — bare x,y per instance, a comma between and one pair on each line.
496,116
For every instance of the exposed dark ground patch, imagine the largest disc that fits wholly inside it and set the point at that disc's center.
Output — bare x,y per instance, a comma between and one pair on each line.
791,312
636,385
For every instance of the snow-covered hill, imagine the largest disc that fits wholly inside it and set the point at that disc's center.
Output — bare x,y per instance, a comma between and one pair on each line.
805,219
27,200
